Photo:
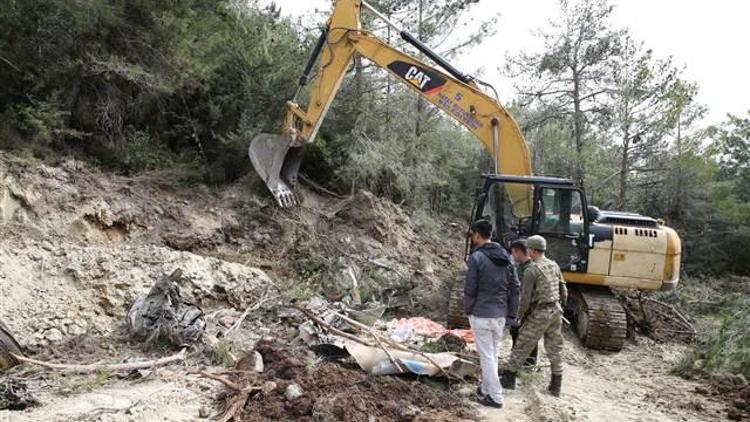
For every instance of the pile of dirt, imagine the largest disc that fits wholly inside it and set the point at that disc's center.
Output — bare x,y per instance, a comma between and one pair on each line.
74,289
59,207
734,389
335,392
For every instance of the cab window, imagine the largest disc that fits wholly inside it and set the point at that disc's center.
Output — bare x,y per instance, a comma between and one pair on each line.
560,211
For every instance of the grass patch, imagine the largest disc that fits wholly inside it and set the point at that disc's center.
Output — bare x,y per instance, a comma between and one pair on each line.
222,353
720,311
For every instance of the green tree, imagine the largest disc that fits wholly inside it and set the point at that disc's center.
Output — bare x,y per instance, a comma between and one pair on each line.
647,97
119,81
570,78
733,138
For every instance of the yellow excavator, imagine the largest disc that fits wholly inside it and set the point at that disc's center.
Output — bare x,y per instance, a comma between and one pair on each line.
596,249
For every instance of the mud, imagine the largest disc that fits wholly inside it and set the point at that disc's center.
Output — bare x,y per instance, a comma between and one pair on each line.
343,392
734,390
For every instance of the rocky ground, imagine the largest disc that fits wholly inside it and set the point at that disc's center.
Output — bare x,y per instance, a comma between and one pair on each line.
78,246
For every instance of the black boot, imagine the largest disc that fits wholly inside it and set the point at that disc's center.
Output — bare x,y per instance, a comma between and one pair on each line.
508,380
555,385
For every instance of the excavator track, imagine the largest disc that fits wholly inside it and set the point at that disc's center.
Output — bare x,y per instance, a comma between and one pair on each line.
600,319
456,315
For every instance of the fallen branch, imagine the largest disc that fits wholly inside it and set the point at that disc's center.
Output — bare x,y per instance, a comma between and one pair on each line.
393,360
306,180
117,367
674,310
384,266
235,406
247,311
222,380
395,345
329,327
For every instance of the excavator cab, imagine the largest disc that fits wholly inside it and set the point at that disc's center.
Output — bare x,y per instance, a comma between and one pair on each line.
551,207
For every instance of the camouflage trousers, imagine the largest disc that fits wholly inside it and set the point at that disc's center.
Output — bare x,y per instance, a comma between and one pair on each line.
540,323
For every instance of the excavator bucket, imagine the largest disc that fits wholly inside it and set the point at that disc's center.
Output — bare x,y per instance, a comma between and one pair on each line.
277,162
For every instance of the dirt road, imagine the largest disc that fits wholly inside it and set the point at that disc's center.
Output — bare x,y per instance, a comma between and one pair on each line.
632,385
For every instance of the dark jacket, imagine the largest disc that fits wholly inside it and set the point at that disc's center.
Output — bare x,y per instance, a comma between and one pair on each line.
492,288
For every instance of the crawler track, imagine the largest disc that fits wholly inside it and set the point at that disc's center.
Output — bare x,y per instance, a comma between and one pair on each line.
456,315
601,321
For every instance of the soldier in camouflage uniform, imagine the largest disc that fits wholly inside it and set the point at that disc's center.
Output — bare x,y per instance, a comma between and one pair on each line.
543,293
520,254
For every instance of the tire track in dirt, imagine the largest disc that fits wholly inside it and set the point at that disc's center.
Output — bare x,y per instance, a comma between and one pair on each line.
631,385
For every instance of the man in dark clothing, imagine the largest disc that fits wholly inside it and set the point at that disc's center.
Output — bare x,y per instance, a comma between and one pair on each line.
491,295
520,254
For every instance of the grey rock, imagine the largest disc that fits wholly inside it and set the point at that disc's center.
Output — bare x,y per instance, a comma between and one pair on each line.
293,391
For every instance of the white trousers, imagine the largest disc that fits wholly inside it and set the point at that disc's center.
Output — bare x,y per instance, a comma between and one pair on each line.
488,332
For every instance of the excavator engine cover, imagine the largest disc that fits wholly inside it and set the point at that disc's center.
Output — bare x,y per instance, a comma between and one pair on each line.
277,162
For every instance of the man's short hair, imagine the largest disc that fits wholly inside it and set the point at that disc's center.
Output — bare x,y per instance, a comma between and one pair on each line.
483,228
519,244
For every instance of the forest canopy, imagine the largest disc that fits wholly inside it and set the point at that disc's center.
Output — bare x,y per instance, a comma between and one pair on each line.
134,85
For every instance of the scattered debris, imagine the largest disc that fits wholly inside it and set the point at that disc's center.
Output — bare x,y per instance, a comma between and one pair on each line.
323,391
15,395
163,316
404,329
384,356
251,362
658,320
381,361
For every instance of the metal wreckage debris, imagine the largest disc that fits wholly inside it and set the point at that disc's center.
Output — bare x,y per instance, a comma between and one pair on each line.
164,316
337,335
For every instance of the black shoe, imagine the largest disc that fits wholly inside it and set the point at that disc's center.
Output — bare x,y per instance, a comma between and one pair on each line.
479,394
508,380
555,385
487,401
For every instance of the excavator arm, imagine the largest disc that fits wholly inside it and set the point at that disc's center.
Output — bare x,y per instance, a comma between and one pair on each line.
276,157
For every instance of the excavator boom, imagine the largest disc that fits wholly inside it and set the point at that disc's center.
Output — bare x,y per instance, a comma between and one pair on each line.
276,158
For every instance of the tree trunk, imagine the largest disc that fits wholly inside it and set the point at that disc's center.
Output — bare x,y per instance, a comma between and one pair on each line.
578,128
624,168
538,153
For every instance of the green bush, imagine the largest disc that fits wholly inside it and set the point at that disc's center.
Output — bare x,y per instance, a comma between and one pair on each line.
36,124
145,84
720,310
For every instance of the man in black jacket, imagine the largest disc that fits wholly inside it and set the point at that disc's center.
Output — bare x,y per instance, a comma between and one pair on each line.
491,294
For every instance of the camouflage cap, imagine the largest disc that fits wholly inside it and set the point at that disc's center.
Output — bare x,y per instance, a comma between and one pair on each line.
537,242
